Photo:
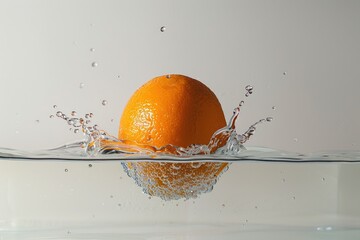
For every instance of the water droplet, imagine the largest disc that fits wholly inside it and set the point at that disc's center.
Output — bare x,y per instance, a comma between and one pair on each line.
273,108
249,88
59,114
163,29
76,130
73,113
104,102
82,85
92,49
284,73
241,103
51,116
94,64
91,115
66,170
54,106
90,165
269,119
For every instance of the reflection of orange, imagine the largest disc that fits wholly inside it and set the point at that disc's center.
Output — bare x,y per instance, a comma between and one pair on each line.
177,110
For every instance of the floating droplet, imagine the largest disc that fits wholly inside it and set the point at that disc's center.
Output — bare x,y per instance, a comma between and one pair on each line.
94,64
269,119
82,85
249,88
104,102
163,29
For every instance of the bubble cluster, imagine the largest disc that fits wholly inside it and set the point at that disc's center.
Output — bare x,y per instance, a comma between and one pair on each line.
170,181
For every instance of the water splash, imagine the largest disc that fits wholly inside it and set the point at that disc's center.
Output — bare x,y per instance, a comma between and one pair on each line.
168,180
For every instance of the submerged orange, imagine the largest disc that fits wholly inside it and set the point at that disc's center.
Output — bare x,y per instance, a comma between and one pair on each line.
177,110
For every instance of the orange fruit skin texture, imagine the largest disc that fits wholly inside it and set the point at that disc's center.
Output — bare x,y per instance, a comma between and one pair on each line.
177,110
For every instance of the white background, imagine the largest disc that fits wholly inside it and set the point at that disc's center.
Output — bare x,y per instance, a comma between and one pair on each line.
300,56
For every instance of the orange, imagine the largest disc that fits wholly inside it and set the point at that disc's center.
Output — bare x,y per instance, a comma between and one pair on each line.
176,110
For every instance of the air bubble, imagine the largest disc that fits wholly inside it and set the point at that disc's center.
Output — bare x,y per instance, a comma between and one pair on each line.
73,113
37,121
269,119
54,106
82,85
76,130
51,116
90,165
293,197
92,49
163,29
295,139
94,64
66,170
323,179
59,114
273,107
104,102
284,73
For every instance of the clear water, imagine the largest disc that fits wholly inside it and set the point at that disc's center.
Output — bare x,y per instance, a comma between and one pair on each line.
258,192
